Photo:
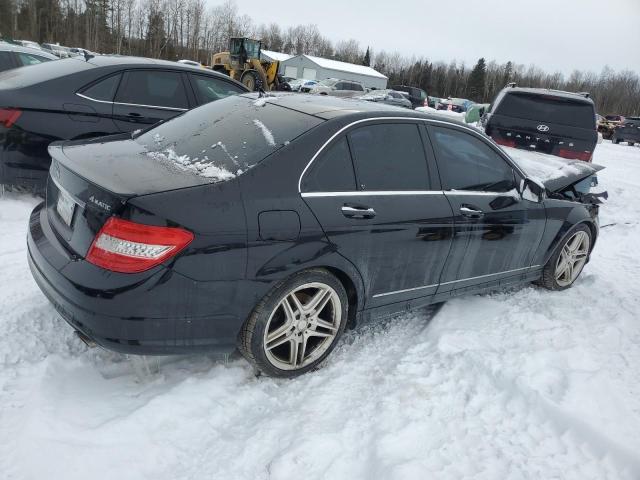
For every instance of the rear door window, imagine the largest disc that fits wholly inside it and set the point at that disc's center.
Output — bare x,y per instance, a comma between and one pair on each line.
209,89
389,157
548,108
332,171
31,59
468,163
6,62
104,89
154,88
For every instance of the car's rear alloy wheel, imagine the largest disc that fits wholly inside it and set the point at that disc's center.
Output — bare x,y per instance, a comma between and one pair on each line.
303,326
295,326
566,264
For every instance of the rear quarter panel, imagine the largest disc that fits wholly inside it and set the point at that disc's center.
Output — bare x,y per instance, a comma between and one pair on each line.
272,186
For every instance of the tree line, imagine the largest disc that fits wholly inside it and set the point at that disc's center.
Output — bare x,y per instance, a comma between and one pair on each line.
174,29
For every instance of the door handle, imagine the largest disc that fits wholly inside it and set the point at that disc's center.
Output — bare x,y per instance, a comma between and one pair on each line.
357,211
134,115
470,212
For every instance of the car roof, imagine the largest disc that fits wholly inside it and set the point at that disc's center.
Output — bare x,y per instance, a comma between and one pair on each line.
548,91
329,107
109,60
10,47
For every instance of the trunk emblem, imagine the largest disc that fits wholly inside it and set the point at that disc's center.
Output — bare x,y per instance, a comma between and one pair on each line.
543,128
100,203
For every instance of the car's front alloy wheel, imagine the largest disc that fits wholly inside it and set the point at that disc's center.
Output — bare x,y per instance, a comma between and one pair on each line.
295,326
567,262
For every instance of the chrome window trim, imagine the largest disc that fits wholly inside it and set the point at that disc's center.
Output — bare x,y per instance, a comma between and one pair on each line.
470,131
377,295
93,99
372,193
157,107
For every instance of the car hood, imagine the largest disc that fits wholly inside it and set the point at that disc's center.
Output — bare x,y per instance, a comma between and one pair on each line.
554,172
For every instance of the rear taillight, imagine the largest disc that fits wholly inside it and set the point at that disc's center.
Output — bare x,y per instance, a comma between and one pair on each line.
426,102
129,247
575,155
505,142
9,116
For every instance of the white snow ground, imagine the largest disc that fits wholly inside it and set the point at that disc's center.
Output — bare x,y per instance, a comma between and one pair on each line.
526,384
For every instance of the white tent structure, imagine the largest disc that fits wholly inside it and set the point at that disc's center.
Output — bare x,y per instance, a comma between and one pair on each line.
316,68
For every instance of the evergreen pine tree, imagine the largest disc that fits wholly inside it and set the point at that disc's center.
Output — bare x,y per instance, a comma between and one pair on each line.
476,83
367,58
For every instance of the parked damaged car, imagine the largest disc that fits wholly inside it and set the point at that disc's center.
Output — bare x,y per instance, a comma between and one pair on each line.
271,224
77,99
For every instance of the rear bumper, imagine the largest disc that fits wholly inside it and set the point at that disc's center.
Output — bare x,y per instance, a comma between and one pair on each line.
157,315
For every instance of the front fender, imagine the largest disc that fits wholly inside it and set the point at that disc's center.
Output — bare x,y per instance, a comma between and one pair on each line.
562,216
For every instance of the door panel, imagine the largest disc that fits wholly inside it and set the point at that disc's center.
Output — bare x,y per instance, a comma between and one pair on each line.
400,252
496,232
501,238
371,192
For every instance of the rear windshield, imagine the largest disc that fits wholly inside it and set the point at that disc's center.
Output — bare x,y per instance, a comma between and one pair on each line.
548,108
25,77
224,138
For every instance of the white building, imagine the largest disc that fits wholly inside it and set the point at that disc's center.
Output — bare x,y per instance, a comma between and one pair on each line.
316,68
272,56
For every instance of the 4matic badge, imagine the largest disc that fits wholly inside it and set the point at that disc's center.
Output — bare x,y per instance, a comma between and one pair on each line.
100,203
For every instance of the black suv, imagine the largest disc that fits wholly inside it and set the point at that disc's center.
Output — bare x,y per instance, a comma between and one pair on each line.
75,98
417,96
628,131
547,121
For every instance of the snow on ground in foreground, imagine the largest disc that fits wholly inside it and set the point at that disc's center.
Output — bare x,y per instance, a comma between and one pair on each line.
516,385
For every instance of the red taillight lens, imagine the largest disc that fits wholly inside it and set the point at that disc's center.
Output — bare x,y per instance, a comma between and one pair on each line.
129,247
505,142
9,116
575,155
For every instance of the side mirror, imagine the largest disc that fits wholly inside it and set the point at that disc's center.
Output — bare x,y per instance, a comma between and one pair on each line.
532,190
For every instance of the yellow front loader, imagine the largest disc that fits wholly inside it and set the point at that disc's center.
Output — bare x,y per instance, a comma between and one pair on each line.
242,62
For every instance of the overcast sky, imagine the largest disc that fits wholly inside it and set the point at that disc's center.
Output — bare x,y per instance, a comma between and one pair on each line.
556,35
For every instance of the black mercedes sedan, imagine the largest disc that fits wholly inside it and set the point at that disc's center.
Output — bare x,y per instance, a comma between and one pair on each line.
84,97
270,224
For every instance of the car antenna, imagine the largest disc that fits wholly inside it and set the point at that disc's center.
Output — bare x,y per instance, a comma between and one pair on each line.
87,56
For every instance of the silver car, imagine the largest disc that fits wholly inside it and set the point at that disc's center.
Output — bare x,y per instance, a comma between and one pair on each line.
339,88
14,56
389,97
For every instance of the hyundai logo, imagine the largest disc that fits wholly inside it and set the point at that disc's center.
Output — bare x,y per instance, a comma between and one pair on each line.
543,128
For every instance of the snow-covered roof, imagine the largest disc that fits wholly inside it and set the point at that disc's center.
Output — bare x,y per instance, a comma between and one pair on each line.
281,57
345,67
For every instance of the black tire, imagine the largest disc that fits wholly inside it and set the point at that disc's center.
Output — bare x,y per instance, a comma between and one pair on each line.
631,144
251,80
251,339
615,139
548,279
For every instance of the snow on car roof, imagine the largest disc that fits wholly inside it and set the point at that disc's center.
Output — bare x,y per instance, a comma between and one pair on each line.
345,67
281,57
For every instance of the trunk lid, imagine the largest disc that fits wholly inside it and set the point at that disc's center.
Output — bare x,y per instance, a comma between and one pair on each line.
90,181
